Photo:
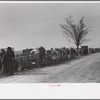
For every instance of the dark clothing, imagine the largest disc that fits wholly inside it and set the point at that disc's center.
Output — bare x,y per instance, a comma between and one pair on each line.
15,64
42,51
1,65
8,61
1,57
42,55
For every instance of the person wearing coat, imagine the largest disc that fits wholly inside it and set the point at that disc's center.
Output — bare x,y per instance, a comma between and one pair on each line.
8,61
2,69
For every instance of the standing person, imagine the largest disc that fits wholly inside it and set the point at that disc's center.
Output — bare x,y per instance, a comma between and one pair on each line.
42,54
8,61
2,67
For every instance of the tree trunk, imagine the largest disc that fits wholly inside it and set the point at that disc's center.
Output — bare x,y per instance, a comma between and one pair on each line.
77,50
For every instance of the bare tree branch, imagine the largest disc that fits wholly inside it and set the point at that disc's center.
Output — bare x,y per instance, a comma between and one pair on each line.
75,33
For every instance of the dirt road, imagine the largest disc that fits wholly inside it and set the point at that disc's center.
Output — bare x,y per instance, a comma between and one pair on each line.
85,69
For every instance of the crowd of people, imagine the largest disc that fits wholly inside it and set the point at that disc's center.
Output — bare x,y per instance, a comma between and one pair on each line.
41,56
7,59
11,63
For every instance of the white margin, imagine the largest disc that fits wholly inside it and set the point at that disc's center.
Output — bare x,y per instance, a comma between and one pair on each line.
49,1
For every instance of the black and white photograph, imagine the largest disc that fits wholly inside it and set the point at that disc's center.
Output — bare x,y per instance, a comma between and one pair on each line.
49,43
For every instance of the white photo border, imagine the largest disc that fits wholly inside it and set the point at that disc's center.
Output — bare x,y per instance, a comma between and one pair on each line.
45,91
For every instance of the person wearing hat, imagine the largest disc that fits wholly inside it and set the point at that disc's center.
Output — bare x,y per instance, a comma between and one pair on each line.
8,61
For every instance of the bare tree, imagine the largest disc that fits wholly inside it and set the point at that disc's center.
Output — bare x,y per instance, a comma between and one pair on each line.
75,33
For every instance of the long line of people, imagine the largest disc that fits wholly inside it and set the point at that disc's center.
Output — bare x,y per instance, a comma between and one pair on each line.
11,63
41,57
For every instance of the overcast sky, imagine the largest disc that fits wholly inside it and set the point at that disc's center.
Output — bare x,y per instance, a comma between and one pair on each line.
34,25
